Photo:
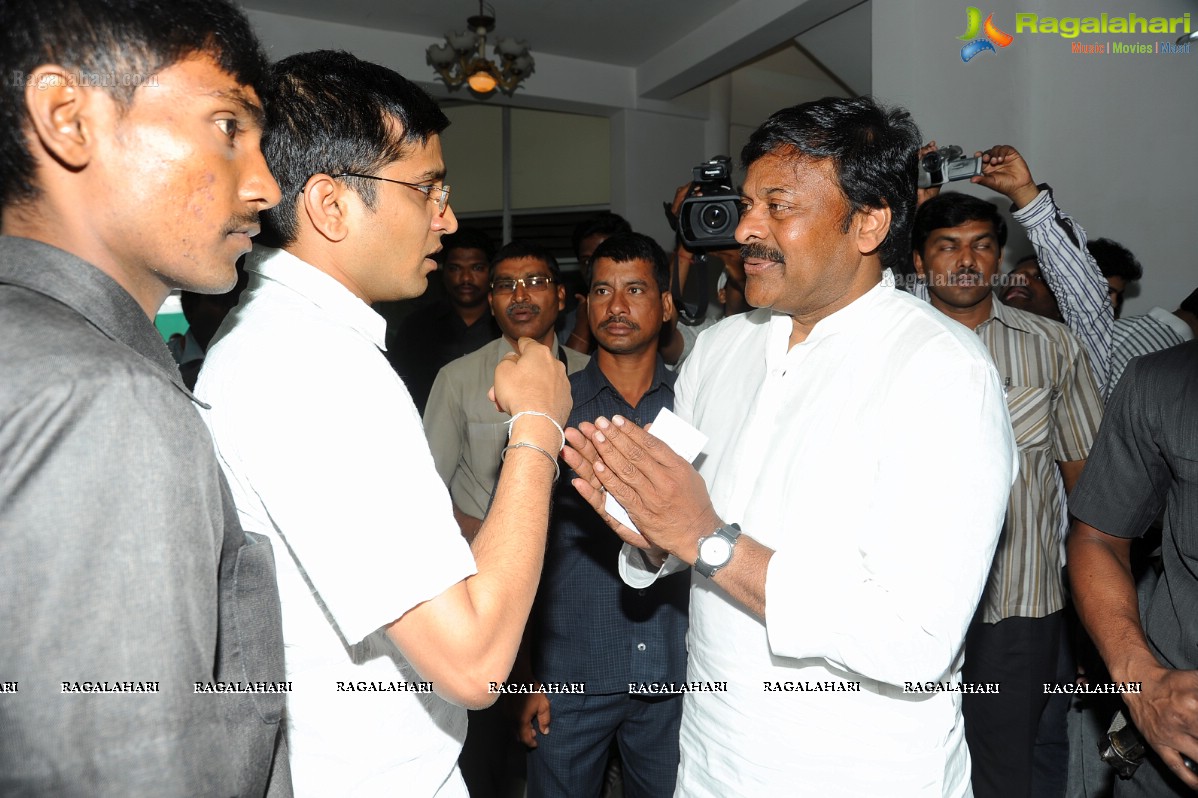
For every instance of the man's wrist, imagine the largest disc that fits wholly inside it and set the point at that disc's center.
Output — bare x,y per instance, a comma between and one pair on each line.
536,430
1136,666
1023,195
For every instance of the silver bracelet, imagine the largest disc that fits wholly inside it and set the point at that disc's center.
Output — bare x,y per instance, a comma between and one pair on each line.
557,470
552,421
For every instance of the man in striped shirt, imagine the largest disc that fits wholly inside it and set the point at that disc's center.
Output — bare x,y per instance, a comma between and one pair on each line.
1055,407
1156,330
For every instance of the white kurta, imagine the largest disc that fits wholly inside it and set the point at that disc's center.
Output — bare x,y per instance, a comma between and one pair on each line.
325,455
875,458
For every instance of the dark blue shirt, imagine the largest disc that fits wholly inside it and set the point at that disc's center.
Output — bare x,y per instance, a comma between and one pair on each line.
588,626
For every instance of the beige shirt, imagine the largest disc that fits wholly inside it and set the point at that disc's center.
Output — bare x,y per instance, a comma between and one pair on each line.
465,432
1055,408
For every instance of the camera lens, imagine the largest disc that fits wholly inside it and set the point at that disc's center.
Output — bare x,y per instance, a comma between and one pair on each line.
714,218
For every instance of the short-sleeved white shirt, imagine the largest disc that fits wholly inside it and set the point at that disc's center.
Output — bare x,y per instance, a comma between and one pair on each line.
325,454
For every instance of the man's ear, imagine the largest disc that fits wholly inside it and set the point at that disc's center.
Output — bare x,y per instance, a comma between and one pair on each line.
561,298
872,226
60,112
915,257
325,202
667,306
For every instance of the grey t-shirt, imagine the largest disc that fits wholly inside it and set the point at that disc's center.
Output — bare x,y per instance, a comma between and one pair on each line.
127,578
1145,459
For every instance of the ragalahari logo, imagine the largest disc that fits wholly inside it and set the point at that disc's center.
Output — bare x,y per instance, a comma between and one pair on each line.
975,45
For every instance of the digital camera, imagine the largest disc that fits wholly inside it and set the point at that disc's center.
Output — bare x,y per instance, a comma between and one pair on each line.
947,164
708,216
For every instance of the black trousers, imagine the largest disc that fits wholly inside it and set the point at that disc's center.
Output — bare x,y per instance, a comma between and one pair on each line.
1020,654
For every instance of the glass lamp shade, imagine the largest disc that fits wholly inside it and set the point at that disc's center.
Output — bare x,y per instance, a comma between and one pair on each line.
462,41
522,65
441,55
511,48
482,81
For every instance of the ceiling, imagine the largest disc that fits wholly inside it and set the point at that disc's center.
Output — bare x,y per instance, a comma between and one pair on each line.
663,47
621,32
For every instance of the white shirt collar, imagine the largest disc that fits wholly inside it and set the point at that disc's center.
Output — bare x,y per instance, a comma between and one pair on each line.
319,288
1172,322
845,318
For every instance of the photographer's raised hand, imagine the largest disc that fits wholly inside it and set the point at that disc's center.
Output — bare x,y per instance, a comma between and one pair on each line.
1005,171
922,195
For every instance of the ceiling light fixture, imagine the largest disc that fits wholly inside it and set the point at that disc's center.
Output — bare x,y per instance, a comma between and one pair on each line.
463,57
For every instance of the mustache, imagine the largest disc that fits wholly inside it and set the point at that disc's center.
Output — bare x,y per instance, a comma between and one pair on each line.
515,306
758,251
627,322
241,222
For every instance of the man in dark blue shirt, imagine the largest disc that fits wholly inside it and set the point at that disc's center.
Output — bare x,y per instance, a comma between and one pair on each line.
628,646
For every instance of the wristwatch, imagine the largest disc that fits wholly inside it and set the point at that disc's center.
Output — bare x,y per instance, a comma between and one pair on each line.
715,550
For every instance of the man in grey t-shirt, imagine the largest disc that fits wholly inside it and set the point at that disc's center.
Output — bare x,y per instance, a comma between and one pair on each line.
135,614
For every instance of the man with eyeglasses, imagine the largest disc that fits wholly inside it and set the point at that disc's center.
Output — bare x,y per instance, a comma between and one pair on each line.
392,623
447,328
465,432
466,435
627,645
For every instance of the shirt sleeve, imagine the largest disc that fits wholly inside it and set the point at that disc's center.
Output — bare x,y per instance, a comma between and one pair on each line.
444,422
636,572
896,607
111,525
1077,408
1125,455
1074,278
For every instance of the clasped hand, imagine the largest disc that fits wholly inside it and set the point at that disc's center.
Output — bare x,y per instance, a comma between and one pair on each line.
664,496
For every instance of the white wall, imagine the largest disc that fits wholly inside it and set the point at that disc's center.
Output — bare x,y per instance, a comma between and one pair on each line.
652,154
1115,135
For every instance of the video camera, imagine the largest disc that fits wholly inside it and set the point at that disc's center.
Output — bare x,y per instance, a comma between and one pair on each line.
708,216
946,164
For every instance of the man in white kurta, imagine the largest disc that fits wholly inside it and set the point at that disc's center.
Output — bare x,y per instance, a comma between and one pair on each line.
861,442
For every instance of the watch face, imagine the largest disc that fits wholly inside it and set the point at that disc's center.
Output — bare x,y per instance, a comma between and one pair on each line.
715,550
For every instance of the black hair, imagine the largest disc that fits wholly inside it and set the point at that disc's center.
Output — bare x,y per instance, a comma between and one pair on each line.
873,149
952,209
331,112
528,249
1190,303
117,45
606,224
1115,260
467,238
626,247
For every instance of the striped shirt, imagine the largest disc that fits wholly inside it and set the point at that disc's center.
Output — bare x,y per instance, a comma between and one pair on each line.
1074,278
1140,335
1055,408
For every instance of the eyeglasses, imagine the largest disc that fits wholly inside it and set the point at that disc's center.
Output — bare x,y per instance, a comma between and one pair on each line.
438,194
508,285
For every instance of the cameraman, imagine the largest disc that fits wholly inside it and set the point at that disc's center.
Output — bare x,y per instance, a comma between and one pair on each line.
1060,245
730,286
